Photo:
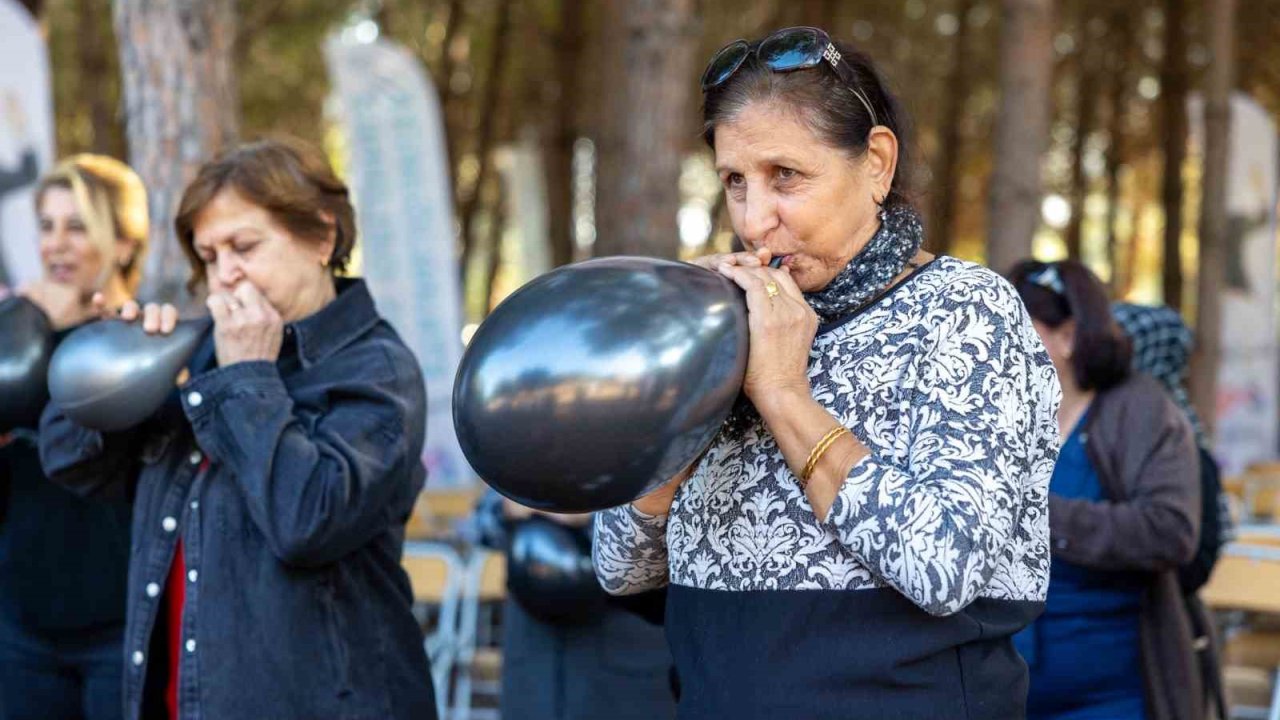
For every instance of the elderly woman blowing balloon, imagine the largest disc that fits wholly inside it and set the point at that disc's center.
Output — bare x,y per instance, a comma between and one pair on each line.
866,534
270,495
63,560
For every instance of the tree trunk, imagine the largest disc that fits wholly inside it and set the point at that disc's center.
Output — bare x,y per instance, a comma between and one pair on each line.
942,216
448,104
816,13
1086,108
1122,48
1022,129
488,126
649,81
1219,81
181,109
562,132
99,87
493,243
1173,113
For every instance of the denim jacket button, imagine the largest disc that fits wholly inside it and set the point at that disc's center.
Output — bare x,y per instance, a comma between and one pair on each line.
191,646
194,399
192,575
169,524
152,589
138,657
195,458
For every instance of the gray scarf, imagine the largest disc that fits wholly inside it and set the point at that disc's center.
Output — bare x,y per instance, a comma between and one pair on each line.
871,270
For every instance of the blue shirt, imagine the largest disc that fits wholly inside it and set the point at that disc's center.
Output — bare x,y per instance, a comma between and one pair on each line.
1083,651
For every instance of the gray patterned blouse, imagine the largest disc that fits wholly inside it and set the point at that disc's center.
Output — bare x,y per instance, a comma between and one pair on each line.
947,384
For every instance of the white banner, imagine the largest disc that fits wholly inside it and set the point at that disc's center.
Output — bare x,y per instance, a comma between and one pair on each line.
397,164
1245,430
26,139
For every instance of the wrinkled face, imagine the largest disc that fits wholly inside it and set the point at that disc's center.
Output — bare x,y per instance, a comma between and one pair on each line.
67,252
788,191
238,241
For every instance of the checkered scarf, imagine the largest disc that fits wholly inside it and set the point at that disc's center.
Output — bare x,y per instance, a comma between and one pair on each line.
1162,349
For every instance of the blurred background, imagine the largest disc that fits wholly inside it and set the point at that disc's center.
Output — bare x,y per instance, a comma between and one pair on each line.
488,141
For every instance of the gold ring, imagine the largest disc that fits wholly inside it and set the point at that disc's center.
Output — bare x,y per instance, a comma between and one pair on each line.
771,288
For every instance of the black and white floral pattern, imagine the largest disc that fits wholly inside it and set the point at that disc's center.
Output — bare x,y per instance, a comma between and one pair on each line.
946,382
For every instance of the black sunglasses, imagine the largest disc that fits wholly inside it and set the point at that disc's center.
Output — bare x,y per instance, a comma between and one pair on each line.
793,48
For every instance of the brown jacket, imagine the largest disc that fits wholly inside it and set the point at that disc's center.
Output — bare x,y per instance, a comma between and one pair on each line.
1146,458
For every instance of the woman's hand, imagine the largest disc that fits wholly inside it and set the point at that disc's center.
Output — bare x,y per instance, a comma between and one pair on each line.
245,326
782,327
156,318
759,258
64,305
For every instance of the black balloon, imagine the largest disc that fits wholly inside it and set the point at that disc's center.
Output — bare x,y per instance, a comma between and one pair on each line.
595,383
549,572
26,342
111,375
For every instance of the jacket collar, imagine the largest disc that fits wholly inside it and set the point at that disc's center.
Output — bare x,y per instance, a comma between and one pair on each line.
351,314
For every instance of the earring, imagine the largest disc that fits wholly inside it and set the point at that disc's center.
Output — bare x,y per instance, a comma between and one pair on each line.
324,262
880,204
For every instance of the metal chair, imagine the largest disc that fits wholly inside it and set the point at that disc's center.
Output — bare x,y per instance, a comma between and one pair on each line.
486,583
437,513
438,577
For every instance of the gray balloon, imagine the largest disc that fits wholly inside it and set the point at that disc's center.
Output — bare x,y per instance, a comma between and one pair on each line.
111,375
597,382
26,342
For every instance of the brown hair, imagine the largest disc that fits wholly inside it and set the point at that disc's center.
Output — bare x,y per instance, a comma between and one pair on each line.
288,178
825,104
1067,290
112,202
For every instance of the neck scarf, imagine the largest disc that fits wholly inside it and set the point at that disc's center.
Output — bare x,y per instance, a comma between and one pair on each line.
870,271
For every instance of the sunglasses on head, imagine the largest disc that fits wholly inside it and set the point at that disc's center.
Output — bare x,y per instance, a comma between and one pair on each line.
794,48
1048,278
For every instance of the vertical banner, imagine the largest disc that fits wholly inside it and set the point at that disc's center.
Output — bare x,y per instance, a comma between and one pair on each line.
1246,425
397,165
26,140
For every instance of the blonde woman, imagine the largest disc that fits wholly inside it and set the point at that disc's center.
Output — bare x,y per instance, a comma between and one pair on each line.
63,559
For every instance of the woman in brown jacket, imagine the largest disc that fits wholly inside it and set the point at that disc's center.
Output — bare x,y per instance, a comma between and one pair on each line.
1115,640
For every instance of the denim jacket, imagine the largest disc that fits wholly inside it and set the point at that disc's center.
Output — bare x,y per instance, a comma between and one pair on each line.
295,602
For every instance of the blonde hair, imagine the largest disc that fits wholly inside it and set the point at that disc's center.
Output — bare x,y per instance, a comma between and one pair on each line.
112,202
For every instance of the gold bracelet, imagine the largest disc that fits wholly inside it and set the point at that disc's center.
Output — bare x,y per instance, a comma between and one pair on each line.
818,450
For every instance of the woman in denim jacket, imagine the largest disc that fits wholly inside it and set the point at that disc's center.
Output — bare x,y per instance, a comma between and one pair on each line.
270,494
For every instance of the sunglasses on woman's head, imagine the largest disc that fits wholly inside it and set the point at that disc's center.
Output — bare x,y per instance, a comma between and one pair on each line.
1048,278
794,48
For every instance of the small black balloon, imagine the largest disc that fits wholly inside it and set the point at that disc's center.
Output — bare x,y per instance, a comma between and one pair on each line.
111,375
549,573
597,382
26,342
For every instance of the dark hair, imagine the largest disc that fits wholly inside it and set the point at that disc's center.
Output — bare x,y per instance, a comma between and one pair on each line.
1067,290
824,103
288,178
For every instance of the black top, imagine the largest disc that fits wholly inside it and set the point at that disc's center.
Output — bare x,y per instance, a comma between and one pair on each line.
63,559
